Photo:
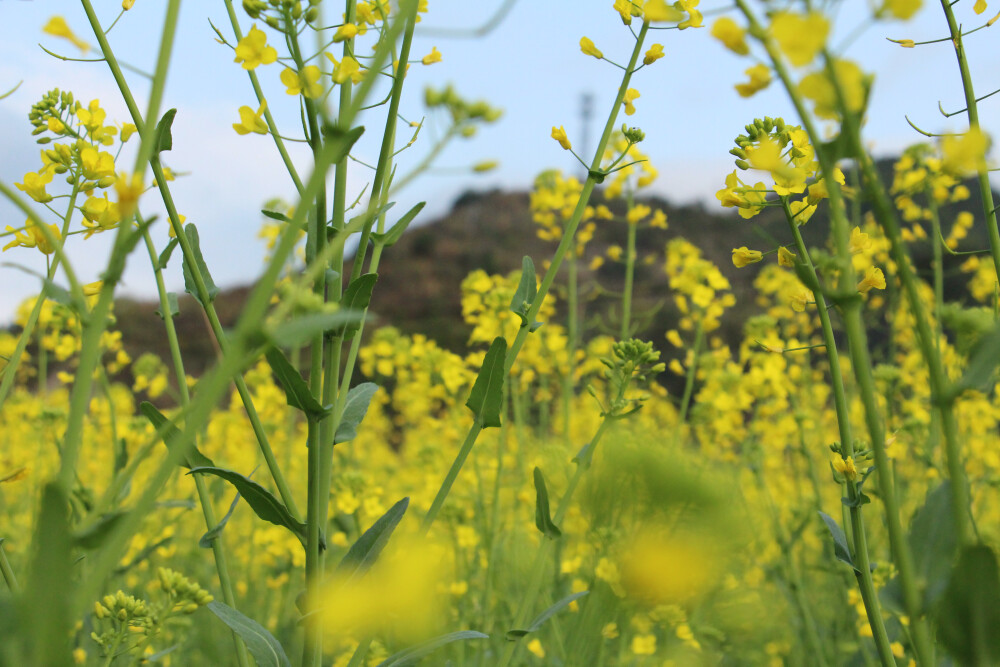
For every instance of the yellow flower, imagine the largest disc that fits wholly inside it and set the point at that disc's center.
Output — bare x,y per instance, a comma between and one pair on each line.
34,186
535,647
348,68
250,121
609,631
874,278
800,37
644,644
904,9
694,19
33,237
820,90
345,32
658,10
659,220
654,53
965,154
559,134
760,78
630,96
253,50
637,213
127,4
731,35
128,129
626,9
846,467
57,27
675,338
433,57
859,240
588,48
786,257
100,214
743,256
979,7
305,82
129,189
96,165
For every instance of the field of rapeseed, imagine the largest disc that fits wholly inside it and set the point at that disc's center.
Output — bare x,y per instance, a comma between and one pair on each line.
333,492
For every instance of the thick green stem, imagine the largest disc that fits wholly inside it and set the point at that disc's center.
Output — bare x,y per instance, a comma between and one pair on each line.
859,537
972,109
204,497
692,371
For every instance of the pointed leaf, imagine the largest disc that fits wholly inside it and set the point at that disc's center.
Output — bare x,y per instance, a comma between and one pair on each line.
275,215
513,635
369,217
189,284
356,298
840,549
983,361
165,254
260,500
487,392
411,655
389,238
969,613
296,390
45,617
173,437
543,519
526,291
210,536
934,542
342,140
355,409
305,328
363,553
265,649
163,140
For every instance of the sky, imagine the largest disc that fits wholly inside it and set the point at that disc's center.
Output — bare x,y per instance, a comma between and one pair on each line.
529,64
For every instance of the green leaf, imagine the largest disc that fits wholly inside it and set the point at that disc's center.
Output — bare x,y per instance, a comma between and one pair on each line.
543,520
210,536
526,291
389,238
165,254
275,215
163,140
513,635
344,139
355,409
305,328
173,436
296,390
265,649
411,655
969,613
172,304
369,217
45,616
934,542
356,298
487,392
93,536
260,500
840,549
189,284
363,553
983,361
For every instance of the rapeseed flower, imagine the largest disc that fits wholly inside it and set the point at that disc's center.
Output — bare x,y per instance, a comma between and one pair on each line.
587,46
57,27
253,51
732,36
251,121
800,37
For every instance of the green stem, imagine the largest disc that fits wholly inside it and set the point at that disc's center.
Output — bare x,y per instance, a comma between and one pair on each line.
565,245
859,536
7,571
547,547
204,497
692,371
972,108
573,340
626,325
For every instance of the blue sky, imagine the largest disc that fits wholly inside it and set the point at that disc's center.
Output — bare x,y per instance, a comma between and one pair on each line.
530,65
